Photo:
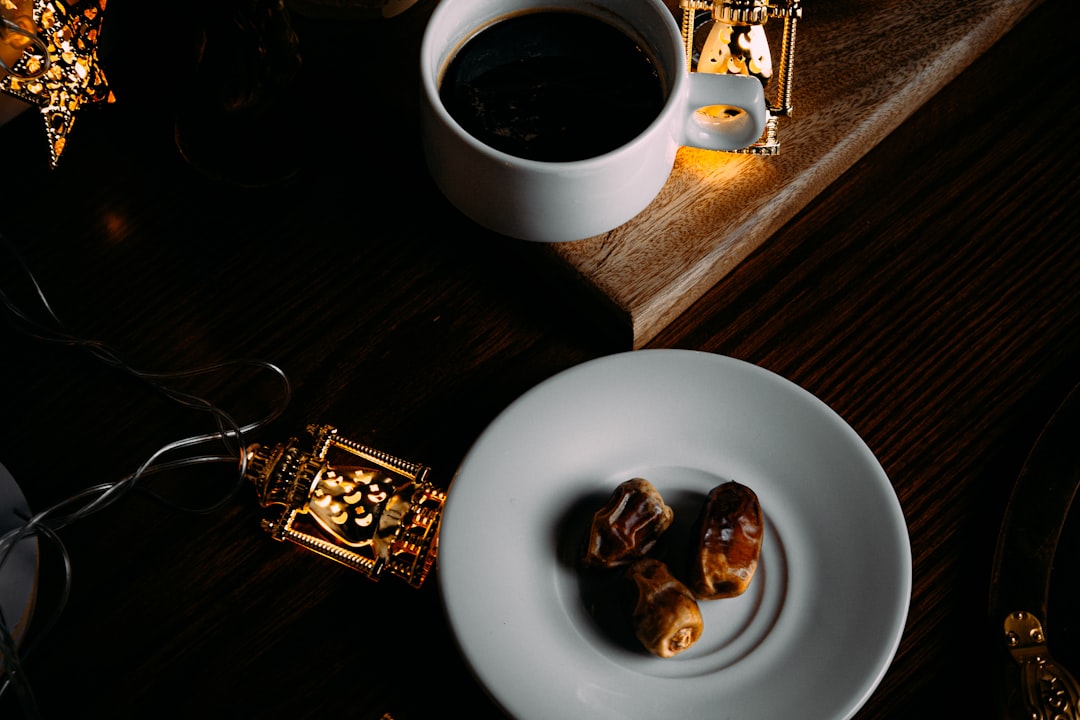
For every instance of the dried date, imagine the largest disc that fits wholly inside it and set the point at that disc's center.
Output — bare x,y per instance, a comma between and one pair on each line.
666,618
728,535
627,526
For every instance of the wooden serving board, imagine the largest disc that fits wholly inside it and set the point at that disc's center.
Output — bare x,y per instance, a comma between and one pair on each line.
861,69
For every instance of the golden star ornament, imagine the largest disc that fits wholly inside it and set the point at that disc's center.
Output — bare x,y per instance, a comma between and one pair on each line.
58,70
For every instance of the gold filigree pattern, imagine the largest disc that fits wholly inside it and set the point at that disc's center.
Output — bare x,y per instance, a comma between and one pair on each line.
736,50
735,43
381,515
61,73
1048,691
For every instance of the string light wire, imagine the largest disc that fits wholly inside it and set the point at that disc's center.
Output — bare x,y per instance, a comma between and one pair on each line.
28,38
46,524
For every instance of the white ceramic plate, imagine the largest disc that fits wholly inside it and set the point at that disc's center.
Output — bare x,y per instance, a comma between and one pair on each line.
18,574
811,637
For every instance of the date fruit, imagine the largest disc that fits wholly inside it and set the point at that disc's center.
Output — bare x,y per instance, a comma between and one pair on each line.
627,526
728,532
666,618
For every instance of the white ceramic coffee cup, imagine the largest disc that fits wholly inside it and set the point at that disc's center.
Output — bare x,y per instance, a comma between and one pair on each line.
562,201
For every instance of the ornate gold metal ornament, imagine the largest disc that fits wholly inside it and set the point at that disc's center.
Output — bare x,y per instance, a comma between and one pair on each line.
729,37
1049,692
363,508
58,67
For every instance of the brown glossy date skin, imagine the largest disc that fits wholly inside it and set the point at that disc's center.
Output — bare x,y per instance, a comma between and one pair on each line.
627,526
666,618
728,532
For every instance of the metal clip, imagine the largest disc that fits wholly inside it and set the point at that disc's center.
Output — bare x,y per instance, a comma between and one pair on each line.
1048,691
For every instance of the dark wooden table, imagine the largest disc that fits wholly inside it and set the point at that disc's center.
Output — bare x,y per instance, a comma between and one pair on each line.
929,296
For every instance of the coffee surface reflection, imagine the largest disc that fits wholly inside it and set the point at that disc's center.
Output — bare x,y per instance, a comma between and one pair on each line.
554,86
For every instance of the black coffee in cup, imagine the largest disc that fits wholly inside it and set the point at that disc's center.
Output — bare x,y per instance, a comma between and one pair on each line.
552,85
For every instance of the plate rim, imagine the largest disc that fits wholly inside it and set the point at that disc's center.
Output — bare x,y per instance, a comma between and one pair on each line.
896,621
24,598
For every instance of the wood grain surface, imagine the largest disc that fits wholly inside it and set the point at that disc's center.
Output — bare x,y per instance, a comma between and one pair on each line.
928,294
861,68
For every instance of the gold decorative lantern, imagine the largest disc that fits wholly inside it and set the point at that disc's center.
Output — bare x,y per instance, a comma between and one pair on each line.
54,63
729,37
363,508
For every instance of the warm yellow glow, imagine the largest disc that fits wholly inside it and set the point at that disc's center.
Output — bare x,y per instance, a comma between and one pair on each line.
65,42
362,475
395,533
720,113
736,50
710,168
344,502
12,43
